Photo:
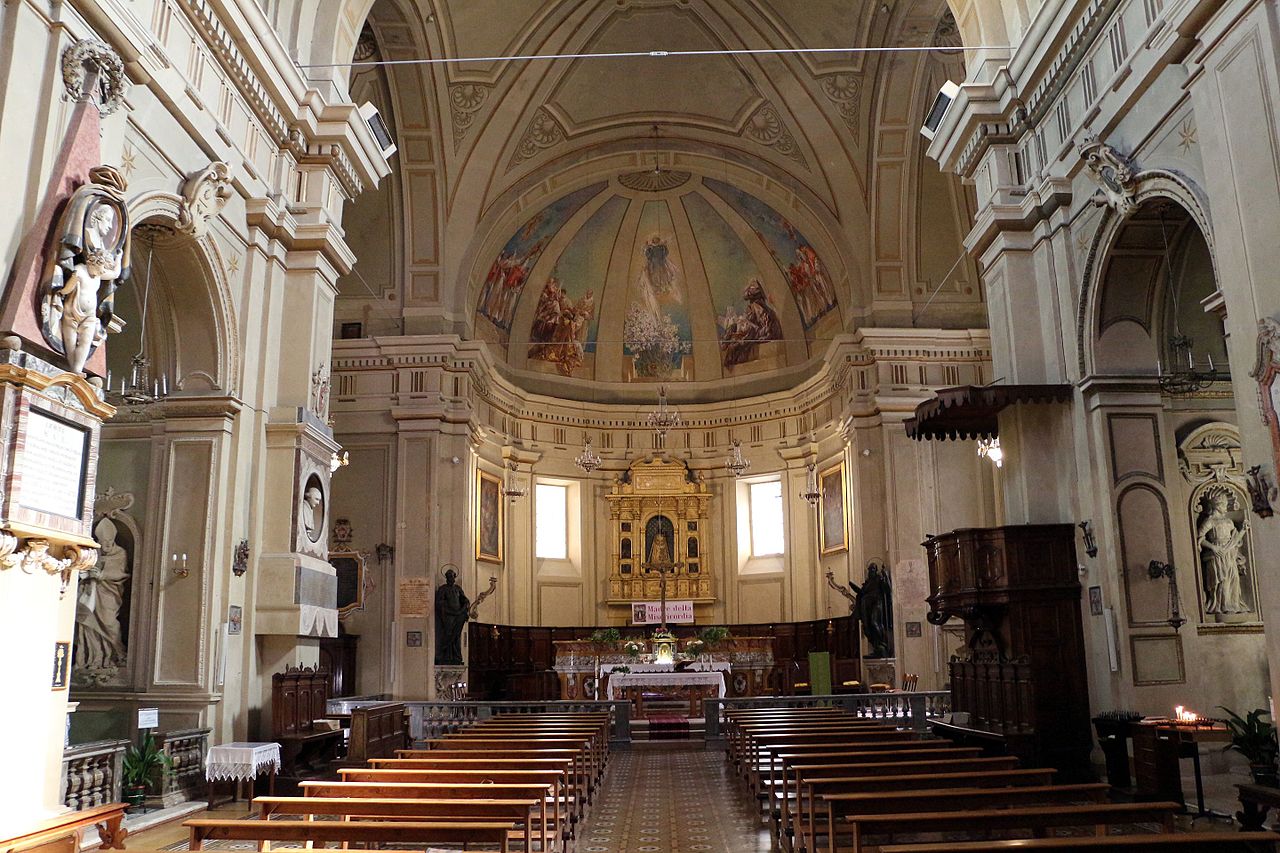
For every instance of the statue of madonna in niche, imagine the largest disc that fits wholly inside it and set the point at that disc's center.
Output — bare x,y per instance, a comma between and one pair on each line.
1221,540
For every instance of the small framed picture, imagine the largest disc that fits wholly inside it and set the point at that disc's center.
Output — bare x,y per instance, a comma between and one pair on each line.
914,629
1095,600
413,639
235,619
61,664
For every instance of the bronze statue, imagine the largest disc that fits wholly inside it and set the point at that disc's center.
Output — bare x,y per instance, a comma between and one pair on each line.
872,605
452,611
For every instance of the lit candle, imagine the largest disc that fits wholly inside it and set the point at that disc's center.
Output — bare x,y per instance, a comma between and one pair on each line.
1211,370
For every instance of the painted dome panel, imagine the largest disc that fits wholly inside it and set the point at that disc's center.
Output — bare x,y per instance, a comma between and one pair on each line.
641,282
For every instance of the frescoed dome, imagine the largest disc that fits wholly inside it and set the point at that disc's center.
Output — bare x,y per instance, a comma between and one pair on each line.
657,276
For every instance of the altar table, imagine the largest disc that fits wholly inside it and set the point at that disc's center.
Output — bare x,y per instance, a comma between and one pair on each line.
239,763
688,682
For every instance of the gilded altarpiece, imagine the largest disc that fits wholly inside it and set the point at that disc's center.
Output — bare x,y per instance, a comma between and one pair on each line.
659,514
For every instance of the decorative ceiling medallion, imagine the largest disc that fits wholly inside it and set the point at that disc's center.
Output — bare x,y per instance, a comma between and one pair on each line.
767,128
542,133
654,180
465,101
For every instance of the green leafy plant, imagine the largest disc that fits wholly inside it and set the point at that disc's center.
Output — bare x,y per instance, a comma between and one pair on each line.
633,648
1252,736
714,634
143,761
606,635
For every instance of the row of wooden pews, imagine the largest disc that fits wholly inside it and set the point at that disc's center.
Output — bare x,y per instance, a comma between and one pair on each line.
832,782
520,782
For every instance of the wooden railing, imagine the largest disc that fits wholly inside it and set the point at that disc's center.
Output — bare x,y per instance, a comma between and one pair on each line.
91,774
912,710
428,720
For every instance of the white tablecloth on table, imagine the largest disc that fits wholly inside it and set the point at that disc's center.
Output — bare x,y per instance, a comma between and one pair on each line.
665,679
695,666
240,762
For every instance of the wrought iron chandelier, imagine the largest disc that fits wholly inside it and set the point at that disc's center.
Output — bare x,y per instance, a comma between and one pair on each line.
990,448
811,493
140,387
664,418
1189,379
736,464
588,460
513,491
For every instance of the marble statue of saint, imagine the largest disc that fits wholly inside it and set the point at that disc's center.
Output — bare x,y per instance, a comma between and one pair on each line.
99,645
452,610
873,608
77,304
313,512
1221,544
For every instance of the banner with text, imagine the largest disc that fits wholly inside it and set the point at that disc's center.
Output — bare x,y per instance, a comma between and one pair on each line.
650,612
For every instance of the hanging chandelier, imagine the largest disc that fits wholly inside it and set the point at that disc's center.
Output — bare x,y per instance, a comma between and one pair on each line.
1189,379
736,464
811,493
588,460
664,418
140,387
990,449
510,489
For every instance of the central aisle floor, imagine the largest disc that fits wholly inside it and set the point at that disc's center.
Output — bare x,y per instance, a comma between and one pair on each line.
672,797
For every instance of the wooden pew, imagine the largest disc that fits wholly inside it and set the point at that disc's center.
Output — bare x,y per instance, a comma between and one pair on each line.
443,791
837,806
356,832
1196,842
582,783
758,744
520,810
1032,819
811,780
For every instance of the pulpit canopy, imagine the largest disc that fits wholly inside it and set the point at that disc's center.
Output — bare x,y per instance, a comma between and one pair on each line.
971,411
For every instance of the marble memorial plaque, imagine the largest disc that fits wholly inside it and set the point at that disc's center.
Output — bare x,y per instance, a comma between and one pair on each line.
52,465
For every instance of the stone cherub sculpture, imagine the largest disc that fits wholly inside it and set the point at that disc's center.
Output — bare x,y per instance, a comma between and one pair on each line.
77,303
452,612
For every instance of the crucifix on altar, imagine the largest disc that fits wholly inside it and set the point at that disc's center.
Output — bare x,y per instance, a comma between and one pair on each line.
660,561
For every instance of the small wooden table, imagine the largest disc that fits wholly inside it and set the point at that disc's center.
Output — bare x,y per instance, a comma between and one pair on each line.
1255,802
240,763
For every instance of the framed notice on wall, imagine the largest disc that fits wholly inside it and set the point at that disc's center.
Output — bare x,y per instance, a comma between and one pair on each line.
833,516
488,517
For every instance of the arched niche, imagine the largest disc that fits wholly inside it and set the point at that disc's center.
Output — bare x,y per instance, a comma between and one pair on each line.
1148,282
188,334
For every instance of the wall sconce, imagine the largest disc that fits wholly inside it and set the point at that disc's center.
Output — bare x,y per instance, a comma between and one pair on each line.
178,562
240,560
1157,570
1090,543
474,610
1261,493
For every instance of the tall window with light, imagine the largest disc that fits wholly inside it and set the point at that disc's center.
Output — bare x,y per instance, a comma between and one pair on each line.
767,537
551,521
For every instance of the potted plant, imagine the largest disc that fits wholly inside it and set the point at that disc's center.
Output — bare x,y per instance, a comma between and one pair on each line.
713,635
606,636
1255,739
633,648
139,769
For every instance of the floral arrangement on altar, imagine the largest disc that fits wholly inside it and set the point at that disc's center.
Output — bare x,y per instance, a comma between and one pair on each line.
633,648
696,647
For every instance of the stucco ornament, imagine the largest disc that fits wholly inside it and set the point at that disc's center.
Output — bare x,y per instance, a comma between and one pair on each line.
1266,370
91,69
1113,172
34,555
204,194
90,259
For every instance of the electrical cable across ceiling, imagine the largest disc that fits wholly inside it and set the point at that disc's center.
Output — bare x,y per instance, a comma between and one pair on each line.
660,54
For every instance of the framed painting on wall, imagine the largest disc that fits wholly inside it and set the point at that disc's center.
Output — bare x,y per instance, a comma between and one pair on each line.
488,517
350,568
833,516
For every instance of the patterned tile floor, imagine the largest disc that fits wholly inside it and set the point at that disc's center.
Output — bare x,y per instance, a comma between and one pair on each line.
673,798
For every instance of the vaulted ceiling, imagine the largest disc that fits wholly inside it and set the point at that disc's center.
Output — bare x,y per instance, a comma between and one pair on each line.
828,140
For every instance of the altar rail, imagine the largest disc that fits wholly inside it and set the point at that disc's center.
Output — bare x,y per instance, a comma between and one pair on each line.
184,780
428,720
912,710
91,773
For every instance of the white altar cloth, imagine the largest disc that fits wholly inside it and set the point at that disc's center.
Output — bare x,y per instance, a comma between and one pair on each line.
241,762
695,666
665,679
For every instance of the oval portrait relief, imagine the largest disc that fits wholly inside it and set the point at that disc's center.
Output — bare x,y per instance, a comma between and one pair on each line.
312,509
